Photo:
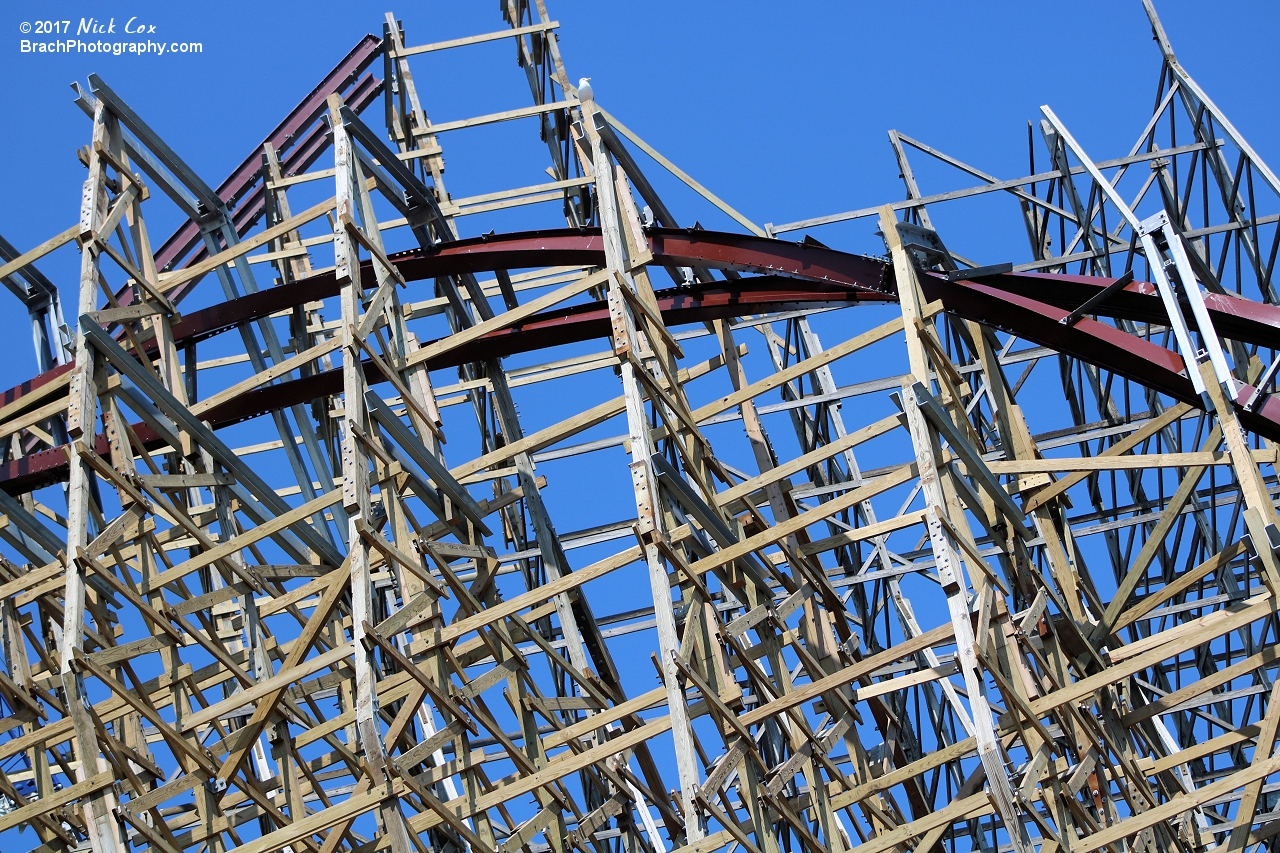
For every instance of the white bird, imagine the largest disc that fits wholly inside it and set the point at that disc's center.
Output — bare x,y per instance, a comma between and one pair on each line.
585,94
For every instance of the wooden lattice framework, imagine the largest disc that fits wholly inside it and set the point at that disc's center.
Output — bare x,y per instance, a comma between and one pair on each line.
915,622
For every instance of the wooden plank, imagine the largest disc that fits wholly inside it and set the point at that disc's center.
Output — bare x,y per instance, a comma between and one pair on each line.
469,40
799,522
271,373
800,463
507,318
29,257
800,368
542,438
896,777
114,655
913,679
478,203
558,768
351,807
1175,806
129,312
491,118
32,398
612,714
967,808
861,534
286,676
244,540
186,481
47,803
808,692
1193,459
1150,428
556,432
1203,749
1265,658
32,578
1167,645
680,173
1184,582
564,583
248,244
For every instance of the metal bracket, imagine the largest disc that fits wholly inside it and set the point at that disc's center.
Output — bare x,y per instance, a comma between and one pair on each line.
1177,322
1094,301
1259,388
979,272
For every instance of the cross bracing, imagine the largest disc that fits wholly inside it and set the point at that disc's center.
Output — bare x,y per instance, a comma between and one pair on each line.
807,558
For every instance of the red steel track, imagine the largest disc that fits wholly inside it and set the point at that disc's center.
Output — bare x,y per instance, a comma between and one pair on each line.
781,276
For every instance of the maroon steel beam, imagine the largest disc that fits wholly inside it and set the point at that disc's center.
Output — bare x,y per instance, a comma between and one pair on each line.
1233,317
755,295
1091,341
246,175
794,276
299,158
288,132
253,205
670,247
553,328
762,294
35,383
1095,342
1248,321
561,247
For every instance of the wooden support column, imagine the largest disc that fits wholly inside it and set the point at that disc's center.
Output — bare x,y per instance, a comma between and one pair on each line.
941,525
649,526
99,808
355,473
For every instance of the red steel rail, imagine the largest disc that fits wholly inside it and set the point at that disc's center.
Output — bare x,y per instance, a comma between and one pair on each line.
299,140
786,276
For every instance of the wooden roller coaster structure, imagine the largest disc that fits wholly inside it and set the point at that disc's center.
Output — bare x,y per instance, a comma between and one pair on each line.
899,612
